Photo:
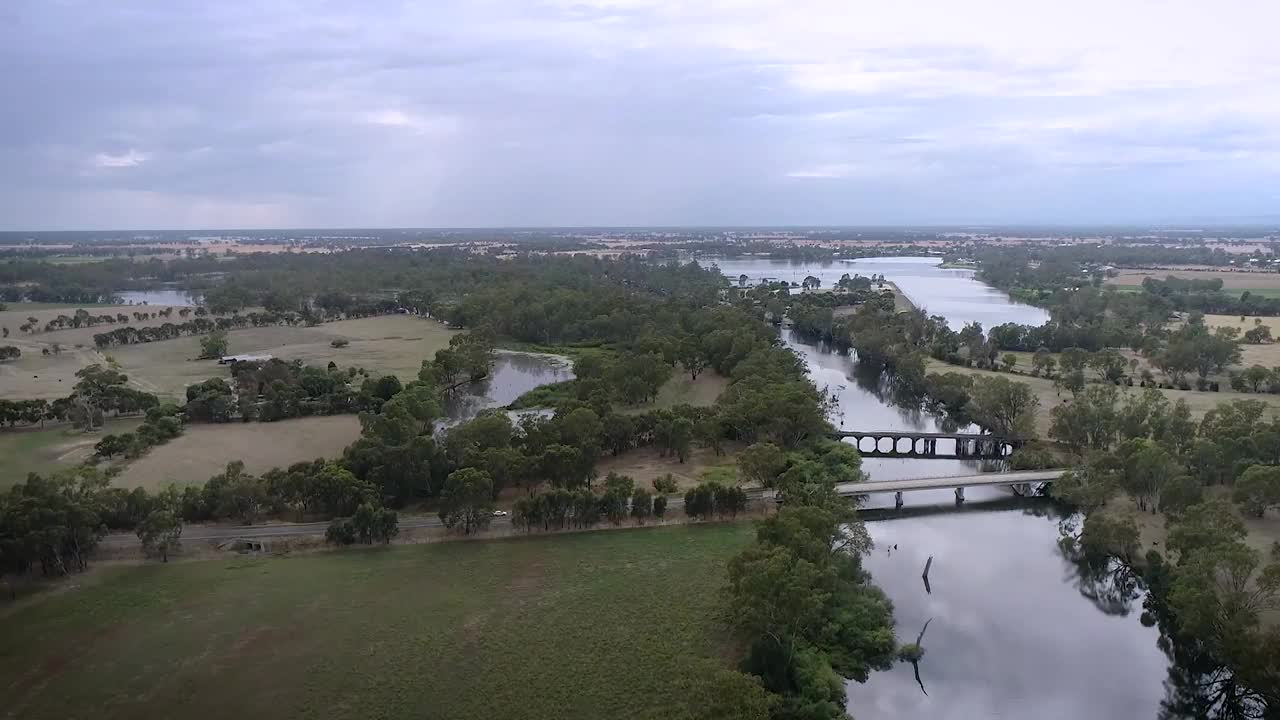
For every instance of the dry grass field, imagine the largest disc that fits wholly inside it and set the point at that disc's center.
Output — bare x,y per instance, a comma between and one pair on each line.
204,450
37,376
1258,282
1267,355
395,344
644,464
391,344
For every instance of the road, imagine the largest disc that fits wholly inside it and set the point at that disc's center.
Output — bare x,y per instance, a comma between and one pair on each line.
411,522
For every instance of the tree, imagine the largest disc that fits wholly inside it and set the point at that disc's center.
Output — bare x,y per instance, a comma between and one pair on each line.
1205,525
761,464
1258,335
1257,489
1146,468
641,504
1074,359
665,484
372,523
1008,361
1109,364
1255,377
1005,407
237,493
1090,420
1106,536
1218,594
692,358
660,506
9,352
111,445
213,345
467,500
710,692
160,532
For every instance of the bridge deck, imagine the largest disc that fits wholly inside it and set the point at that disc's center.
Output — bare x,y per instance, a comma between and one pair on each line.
914,435
1008,478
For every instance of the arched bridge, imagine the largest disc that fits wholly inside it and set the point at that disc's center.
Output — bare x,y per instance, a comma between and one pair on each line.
923,445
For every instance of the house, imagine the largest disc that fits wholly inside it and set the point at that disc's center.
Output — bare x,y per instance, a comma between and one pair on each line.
227,359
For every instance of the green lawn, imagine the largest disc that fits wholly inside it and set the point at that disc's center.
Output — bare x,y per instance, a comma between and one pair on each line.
1232,291
25,451
588,625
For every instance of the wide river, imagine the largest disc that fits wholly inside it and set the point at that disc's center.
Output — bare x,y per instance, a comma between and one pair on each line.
1015,631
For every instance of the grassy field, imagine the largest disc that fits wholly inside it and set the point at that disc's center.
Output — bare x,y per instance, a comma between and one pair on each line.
25,451
1267,355
644,464
204,449
1266,284
395,344
390,344
1199,402
680,390
585,626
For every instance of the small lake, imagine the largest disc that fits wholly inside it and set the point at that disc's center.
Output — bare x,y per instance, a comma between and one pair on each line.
1016,631
160,298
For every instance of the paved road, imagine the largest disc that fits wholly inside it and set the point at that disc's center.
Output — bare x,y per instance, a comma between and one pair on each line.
409,522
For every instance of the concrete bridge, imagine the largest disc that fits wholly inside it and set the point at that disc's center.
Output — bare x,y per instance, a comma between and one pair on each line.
922,445
1022,484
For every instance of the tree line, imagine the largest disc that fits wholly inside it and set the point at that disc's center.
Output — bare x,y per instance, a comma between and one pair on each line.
1208,586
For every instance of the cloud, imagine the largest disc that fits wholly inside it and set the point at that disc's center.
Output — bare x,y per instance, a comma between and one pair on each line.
636,112
128,159
419,124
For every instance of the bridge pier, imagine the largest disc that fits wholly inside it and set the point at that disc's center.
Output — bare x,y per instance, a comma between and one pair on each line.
960,495
897,500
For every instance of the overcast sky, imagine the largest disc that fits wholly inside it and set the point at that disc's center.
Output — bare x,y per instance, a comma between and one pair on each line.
360,113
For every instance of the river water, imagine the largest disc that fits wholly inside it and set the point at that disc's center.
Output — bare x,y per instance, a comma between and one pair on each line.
1016,631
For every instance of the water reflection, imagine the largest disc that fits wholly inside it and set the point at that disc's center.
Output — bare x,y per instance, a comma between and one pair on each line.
514,374
951,293
1010,636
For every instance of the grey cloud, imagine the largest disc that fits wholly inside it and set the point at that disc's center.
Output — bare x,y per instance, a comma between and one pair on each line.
503,112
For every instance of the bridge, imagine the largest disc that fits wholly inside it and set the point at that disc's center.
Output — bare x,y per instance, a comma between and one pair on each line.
924,445
1022,484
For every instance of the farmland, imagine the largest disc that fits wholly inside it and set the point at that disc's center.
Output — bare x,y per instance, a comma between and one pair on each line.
573,626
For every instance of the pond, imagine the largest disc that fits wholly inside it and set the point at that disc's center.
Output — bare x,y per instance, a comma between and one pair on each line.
513,374
161,298
1015,631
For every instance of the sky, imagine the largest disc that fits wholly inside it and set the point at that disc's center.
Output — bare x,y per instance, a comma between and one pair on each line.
185,114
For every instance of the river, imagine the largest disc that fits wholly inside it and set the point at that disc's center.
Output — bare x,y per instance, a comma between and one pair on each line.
1015,631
